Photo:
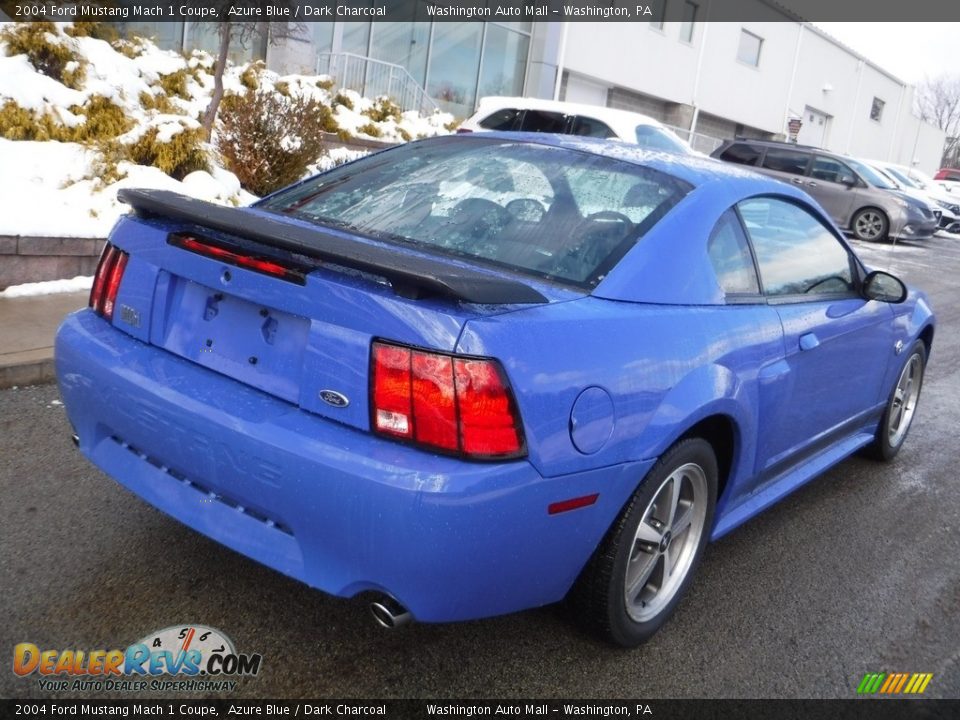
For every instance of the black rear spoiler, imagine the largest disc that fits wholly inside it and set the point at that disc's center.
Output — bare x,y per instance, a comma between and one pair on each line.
410,276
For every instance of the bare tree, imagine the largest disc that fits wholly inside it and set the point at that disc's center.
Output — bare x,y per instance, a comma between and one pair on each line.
938,101
242,34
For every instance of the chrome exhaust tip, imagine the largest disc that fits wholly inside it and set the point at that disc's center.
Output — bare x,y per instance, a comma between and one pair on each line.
389,614
76,440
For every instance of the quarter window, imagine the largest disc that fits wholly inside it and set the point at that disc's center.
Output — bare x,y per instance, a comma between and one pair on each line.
749,50
730,255
797,254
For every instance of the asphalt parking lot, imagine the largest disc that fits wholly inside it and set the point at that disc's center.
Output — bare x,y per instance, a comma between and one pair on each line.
858,572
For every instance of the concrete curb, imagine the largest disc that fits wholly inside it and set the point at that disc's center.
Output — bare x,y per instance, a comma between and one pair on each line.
33,372
28,326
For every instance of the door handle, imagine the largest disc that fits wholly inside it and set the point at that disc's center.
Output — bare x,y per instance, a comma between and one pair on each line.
809,341
811,184
796,181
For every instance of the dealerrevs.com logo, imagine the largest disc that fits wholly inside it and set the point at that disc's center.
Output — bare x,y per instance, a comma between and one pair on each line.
188,658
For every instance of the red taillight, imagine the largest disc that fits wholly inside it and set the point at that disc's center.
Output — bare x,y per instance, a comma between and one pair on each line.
106,283
455,404
257,263
463,131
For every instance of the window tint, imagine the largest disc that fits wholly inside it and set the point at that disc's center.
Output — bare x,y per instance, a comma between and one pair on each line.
589,127
831,170
545,122
796,253
787,161
501,120
742,153
730,255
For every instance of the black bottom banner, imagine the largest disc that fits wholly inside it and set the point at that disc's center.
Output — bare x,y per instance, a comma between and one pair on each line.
860,709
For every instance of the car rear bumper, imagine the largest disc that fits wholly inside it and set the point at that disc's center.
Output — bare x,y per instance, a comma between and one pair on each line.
335,507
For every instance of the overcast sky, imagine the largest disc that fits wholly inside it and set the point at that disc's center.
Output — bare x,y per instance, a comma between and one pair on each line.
911,51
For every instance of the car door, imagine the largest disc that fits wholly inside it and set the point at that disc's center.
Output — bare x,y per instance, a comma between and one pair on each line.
837,345
834,185
786,164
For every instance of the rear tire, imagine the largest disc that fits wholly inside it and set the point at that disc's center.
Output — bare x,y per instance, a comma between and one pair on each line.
901,406
645,564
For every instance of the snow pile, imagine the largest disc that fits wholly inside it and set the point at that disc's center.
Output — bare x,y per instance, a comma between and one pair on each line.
47,190
68,189
49,287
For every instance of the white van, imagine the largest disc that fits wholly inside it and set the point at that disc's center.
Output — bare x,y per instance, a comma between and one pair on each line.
515,114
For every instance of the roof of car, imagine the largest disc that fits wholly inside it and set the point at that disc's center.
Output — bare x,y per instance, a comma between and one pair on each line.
569,108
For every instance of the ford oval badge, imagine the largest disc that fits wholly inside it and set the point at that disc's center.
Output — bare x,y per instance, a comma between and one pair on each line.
332,397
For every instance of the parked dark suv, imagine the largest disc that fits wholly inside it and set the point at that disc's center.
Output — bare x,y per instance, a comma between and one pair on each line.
858,198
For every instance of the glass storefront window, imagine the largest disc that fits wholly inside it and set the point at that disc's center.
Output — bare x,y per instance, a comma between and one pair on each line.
322,36
206,36
402,43
454,59
166,35
504,62
356,38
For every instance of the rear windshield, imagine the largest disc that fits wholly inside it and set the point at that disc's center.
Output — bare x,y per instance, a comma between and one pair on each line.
560,214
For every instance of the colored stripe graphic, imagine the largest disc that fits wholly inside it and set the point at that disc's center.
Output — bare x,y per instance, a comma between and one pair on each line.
894,683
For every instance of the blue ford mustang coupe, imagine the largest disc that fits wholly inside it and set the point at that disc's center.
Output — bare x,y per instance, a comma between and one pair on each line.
478,374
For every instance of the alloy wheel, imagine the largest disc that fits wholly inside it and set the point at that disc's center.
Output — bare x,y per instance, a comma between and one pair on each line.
665,542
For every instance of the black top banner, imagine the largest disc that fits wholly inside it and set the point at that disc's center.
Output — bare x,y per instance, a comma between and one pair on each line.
481,10
516,709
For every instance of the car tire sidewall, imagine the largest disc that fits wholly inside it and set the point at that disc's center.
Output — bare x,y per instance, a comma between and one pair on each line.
884,234
883,449
623,629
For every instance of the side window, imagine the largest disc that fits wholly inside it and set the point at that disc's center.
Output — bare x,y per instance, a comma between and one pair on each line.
786,161
501,120
730,255
589,127
743,154
545,122
831,170
797,254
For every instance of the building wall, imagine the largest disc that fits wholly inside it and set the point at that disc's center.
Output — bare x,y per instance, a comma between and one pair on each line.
801,72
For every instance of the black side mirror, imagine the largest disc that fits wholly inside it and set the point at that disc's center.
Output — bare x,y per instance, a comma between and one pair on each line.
883,287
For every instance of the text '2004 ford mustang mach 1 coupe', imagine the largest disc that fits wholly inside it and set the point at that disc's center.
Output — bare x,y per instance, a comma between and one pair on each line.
479,374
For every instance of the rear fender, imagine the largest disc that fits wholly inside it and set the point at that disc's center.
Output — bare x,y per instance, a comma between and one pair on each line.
709,391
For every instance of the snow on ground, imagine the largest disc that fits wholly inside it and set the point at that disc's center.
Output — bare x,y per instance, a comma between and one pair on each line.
49,188
50,287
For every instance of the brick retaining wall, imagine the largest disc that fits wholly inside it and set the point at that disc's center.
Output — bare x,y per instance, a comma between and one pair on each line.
32,259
